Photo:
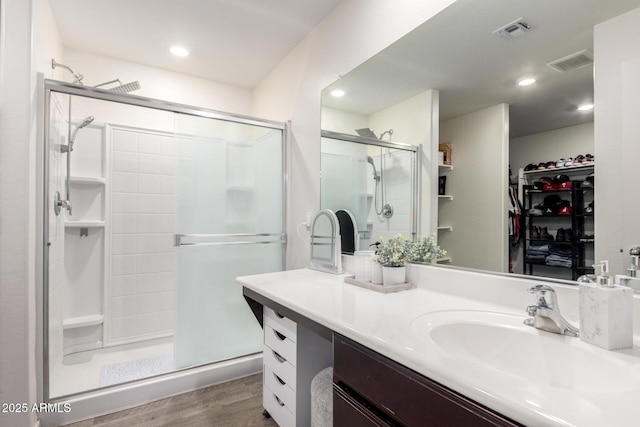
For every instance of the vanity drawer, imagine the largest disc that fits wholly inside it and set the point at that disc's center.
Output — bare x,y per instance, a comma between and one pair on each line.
279,342
400,394
280,388
285,370
277,409
280,323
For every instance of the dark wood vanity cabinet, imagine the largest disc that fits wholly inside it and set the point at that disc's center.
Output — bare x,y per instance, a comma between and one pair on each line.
372,390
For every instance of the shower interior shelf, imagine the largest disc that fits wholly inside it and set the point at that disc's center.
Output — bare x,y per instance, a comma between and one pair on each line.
80,322
84,224
88,180
445,228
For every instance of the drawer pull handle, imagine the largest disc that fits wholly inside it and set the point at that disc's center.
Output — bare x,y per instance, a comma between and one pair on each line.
280,402
279,358
279,380
279,335
280,316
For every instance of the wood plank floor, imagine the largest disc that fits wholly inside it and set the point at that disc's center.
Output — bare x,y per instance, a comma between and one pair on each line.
236,403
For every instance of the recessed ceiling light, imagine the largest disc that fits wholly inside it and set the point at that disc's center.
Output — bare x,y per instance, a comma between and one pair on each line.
528,81
337,93
179,51
585,107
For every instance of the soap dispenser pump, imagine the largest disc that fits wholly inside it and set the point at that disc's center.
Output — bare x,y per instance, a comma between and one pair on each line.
606,317
632,278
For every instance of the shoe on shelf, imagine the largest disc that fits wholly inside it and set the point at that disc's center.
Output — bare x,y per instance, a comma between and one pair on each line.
568,162
589,208
568,235
589,180
544,234
560,163
588,159
537,210
535,233
550,165
542,166
560,235
530,167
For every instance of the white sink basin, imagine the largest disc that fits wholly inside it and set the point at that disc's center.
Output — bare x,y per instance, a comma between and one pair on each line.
503,344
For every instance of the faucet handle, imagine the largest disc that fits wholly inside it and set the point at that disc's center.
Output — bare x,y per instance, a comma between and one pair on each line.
532,310
540,292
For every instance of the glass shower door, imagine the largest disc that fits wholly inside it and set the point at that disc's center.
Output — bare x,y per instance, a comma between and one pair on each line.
229,222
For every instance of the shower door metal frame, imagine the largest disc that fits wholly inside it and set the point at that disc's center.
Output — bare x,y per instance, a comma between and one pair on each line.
65,88
415,169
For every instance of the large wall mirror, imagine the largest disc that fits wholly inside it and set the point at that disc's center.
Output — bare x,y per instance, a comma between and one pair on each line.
457,79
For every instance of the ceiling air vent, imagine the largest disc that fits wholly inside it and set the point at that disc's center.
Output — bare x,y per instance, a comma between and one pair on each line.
513,29
573,61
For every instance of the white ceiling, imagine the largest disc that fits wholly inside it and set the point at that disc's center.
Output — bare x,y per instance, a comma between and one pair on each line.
236,42
457,53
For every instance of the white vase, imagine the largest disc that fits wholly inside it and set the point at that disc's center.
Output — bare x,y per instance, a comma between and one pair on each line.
393,275
364,264
376,272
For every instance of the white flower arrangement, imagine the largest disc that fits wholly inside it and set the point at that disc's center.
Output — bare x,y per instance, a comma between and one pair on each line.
395,251
425,250
399,250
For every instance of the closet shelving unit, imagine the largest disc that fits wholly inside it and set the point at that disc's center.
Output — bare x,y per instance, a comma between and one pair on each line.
444,198
580,221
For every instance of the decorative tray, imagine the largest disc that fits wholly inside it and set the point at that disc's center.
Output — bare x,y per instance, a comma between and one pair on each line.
379,288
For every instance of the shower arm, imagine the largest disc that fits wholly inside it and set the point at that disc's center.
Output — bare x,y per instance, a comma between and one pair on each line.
77,77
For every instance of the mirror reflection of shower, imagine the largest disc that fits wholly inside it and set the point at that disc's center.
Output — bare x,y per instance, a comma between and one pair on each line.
66,203
381,207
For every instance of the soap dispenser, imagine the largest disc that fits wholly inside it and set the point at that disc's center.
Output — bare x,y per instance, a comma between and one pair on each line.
632,278
606,317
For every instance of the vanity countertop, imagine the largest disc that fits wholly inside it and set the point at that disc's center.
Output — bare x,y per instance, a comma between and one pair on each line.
385,323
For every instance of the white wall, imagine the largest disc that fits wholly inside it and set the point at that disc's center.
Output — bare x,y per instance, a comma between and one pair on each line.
352,33
342,121
617,132
17,212
159,84
478,183
552,145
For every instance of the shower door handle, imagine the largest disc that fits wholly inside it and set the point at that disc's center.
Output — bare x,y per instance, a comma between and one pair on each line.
229,239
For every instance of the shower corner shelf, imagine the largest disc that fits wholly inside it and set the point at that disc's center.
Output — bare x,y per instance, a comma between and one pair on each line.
443,260
445,228
444,167
88,180
445,197
240,189
84,224
81,322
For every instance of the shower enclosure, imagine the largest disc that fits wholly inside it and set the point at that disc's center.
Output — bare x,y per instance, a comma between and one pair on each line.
375,180
161,207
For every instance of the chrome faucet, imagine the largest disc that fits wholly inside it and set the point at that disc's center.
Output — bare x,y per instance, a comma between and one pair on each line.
545,315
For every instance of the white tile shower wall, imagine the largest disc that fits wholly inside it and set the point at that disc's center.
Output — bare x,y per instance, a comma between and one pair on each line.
143,208
397,185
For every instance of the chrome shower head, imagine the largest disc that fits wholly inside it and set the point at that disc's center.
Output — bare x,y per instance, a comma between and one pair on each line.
86,122
127,87
122,87
367,132
375,172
